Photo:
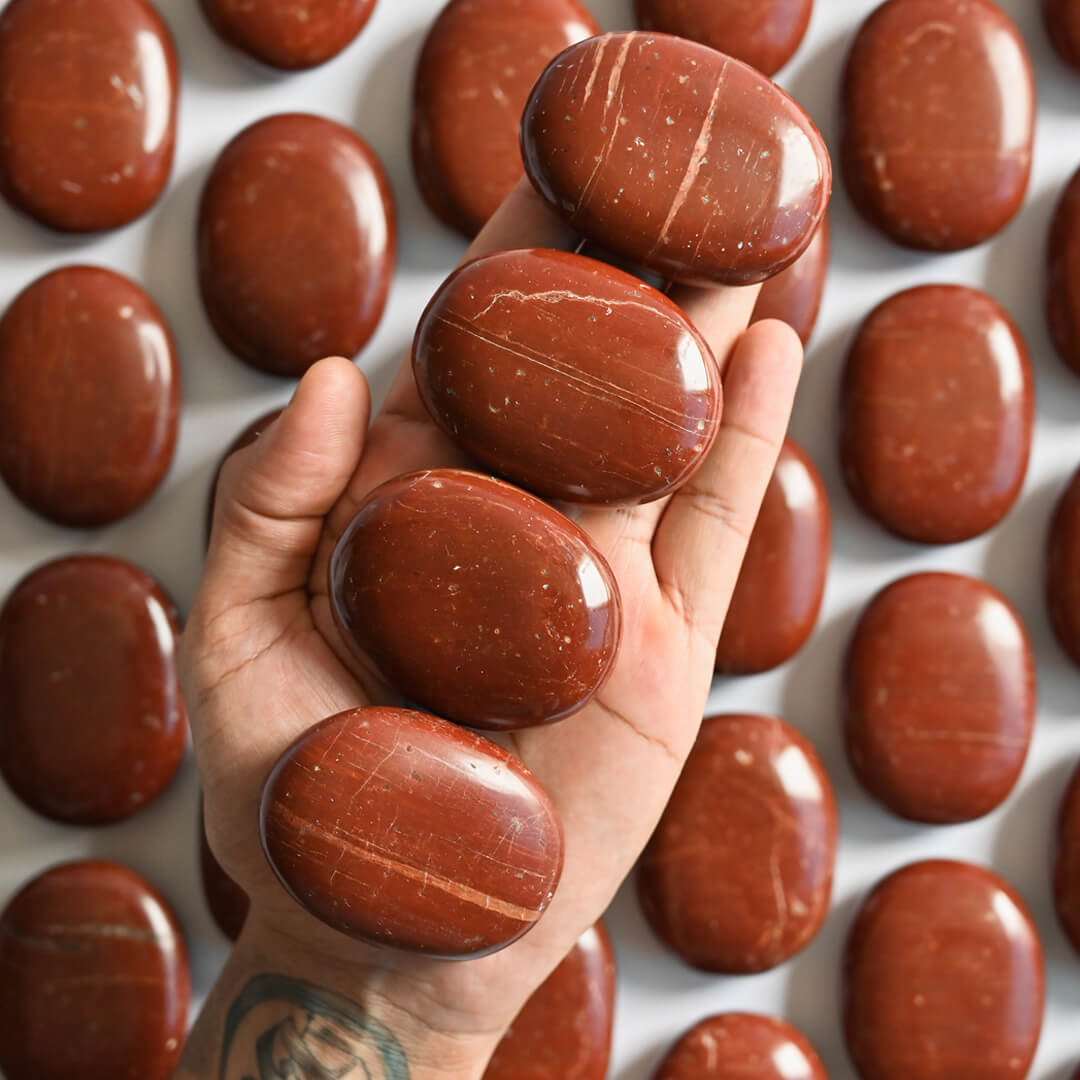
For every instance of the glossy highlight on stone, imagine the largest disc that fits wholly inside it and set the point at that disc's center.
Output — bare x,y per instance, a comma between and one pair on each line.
1063,570
676,157
938,121
246,437
403,830
943,977
1063,278
1063,24
744,1046
1067,863
781,585
96,982
569,377
89,396
289,34
738,876
476,600
228,903
478,64
92,721
296,242
761,33
88,107
938,406
794,296
939,698
564,1030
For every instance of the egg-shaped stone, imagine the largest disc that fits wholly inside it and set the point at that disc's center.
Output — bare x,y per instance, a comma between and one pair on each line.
1063,275
1063,570
1067,862
794,296
1063,24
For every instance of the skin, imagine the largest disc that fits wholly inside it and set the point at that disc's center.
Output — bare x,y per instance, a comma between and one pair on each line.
262,662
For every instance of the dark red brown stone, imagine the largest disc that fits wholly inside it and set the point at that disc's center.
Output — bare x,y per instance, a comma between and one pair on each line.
228,903
92,722
738,875
297,242
742,1046
938,121
401,829
478,65
564,1030
89,396
794,296
777,598
1067,863
476,600
569,377
1063,279
96,982
1063,25
88,101
289,34
940,698
937,414
676,157
944,977
1063,570
761,33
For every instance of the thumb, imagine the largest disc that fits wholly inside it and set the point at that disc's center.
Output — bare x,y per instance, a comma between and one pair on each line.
272,496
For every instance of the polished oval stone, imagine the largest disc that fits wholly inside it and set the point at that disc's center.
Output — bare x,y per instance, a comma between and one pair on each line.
1063,277
738,876
96,982
1067,863
676,157
401,829
1063,24
742,1046
1063,570
943,977
297,242
479,63
289,34
92,721
88,102
939,698
228,903
938,121
938,405
564,1030
569,377
89,396
794,296
761,33
476,600
784,571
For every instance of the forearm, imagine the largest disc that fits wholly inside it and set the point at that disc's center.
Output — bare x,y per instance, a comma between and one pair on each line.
279,1010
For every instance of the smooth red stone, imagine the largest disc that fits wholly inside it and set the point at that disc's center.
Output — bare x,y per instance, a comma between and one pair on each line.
297,242
676,157
92,722
777,598
564,1030
938,407
742,1046
1067,863
1063,278
1063,24
89,91
400,829
943,977
938,122
569,377
476,600
89,396
479,63
228,903
940,698
761,33
738,876
96,982
794,296
289,34
1063,570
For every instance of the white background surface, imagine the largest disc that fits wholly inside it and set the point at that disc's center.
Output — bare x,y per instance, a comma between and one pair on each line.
369,87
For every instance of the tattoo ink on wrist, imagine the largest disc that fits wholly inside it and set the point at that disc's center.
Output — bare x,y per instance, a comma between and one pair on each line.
293,1030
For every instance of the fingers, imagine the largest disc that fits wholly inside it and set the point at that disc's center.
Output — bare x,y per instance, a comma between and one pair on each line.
701,539
719,314
273,496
